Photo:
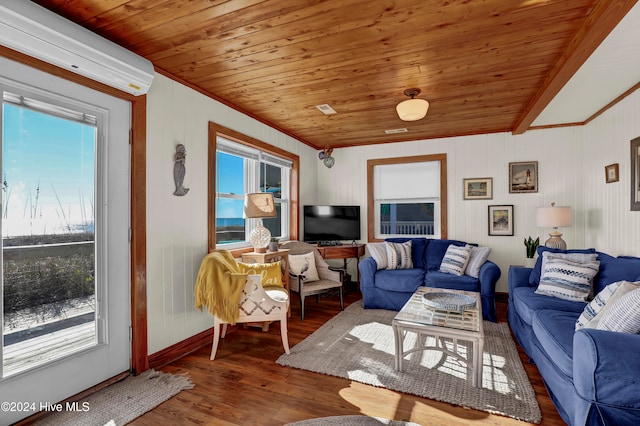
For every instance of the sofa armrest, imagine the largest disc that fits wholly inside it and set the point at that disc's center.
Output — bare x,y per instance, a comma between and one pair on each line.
518,277
368,268
606,368
488,277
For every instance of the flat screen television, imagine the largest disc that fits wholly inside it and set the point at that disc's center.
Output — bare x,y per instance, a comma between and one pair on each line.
331,224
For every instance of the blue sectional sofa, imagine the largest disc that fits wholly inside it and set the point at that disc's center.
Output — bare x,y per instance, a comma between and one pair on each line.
391,289
592,376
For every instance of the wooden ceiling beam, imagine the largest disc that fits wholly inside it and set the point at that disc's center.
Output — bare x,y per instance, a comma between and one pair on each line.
604,17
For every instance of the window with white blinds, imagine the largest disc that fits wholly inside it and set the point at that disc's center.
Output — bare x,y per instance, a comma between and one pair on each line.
407,198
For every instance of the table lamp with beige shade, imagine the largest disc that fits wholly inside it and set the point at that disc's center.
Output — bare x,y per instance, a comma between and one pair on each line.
554,217
258,205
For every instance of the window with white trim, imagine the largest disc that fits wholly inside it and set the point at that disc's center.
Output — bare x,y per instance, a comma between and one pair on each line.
242,169
406,198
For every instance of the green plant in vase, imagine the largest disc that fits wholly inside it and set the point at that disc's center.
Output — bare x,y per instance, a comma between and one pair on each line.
531,246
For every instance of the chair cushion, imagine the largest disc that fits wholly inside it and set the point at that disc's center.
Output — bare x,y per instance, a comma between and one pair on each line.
270,273
304,264
454,282
279,295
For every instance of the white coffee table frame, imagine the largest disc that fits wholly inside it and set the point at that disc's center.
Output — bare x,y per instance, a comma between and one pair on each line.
416,317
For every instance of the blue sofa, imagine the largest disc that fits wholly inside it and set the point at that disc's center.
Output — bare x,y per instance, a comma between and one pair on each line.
592,376
391,289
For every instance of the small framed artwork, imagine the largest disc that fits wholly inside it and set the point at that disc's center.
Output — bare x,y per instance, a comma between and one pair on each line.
501,220
611,173
478,189
523,177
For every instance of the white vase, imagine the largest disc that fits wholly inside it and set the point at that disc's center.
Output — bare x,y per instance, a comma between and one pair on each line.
529,262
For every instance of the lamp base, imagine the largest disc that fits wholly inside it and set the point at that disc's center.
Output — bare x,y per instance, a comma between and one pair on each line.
555,241
259,238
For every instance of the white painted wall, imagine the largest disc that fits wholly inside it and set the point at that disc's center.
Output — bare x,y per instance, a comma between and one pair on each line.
571,165
177,226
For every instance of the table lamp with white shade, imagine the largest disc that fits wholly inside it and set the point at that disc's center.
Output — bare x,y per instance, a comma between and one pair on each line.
554,217
258,205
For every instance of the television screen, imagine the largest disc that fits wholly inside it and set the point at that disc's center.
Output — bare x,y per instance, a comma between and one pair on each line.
331,223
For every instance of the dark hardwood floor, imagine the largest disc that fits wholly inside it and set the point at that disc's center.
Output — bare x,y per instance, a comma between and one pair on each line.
244,385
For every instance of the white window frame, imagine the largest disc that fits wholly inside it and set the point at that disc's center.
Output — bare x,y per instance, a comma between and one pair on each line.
253,158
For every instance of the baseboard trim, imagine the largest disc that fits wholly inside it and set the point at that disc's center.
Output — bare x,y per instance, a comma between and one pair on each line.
180,349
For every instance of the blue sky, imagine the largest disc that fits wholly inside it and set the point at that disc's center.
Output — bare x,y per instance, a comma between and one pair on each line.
54,154
231,167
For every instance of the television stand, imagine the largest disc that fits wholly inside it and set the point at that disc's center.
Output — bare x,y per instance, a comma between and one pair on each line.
328,243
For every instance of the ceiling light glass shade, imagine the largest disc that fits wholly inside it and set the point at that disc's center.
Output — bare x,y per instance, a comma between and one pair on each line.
329,161
412,109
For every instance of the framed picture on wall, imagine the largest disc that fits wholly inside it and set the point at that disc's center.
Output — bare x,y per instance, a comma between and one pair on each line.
523,177
611,173
478,189
501,220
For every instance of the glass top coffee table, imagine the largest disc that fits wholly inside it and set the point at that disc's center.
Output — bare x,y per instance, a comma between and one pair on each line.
440,317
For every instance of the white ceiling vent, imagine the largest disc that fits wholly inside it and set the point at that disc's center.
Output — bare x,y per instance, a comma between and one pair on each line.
326,109
35,31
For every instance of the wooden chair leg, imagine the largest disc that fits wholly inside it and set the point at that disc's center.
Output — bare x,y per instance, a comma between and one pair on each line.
341,300
216,339
301,307
284,335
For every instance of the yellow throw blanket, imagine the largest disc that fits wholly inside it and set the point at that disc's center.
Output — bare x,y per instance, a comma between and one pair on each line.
219,286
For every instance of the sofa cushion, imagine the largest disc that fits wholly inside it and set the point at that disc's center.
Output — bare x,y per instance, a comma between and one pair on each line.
378,252
526,302
624,315
399,255
479,255
554,331
402,280
566,279
436,250
613,269
536,272
439,279
418,249
455,260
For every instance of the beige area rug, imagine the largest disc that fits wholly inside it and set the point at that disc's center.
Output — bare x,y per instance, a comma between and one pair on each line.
123,401
351,421
358,344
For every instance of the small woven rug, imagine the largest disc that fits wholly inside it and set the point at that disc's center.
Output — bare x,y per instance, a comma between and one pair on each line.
358,344
351,421
123,401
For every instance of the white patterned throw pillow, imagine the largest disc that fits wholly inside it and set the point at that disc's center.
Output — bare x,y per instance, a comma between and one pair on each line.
624,315
399,255
478,256
566,279
304,264
378,252
603,302
455,259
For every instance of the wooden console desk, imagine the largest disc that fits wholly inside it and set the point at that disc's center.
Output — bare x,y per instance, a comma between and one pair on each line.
344,251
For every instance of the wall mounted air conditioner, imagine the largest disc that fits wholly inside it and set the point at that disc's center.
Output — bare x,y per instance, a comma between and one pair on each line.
35,31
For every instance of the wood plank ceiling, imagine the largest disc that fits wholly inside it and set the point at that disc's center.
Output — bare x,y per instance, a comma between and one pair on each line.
484,65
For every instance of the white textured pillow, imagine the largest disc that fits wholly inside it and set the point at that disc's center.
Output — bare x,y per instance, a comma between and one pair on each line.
624,315
567,280
379,253
304,264
399,255
479,255
574,257
455,259
603,302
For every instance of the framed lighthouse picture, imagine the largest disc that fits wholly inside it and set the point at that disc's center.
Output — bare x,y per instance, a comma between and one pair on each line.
523,177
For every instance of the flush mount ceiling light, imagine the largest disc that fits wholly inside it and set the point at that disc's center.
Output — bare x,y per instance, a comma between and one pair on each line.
412,109
327,159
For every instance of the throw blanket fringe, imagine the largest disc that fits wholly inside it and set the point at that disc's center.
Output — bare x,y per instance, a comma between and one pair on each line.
219,286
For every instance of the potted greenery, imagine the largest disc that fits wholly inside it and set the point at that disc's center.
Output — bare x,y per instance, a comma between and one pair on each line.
531,246
273,244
